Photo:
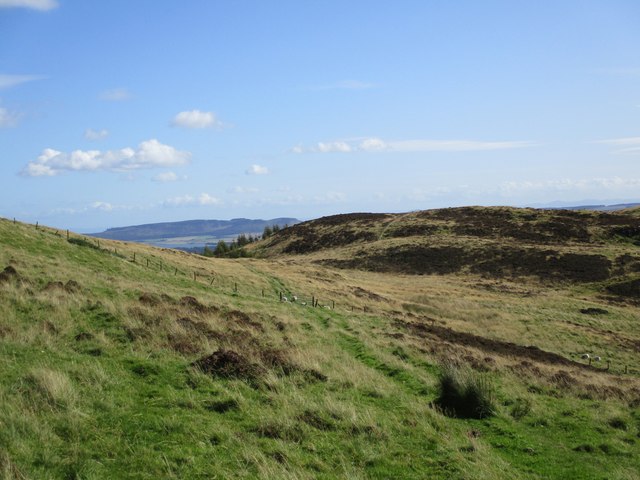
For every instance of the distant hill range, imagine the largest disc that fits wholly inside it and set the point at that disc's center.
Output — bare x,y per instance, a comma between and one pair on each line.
602,208
191,233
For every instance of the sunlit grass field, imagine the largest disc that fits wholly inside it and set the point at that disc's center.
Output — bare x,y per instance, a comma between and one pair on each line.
127,361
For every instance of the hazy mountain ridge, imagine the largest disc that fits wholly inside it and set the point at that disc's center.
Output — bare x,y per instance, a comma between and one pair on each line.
189,228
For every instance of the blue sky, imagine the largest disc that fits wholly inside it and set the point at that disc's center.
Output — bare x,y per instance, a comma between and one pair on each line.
123,112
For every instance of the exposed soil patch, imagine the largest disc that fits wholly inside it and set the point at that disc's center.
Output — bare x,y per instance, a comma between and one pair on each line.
362,293
193,304
9,273
53,286
228,364
488,345
277,359
198,327
563,379
70,287
316,421
593,311
184,344
149,299
241,318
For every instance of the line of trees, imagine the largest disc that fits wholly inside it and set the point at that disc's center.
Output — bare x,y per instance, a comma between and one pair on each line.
235,248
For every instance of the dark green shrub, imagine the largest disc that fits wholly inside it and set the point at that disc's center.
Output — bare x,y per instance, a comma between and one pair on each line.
465,394
82,242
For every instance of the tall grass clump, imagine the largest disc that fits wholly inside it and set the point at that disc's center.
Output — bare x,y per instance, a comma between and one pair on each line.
464,393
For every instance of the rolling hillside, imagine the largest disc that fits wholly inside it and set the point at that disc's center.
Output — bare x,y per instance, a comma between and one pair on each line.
121,360
547,245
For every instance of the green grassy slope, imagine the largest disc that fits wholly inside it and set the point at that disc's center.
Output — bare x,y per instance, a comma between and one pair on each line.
97,375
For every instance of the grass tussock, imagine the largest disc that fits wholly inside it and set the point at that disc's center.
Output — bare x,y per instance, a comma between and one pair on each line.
464,393
51,386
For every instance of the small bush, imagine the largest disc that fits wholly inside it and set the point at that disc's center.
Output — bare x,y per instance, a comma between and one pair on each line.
521,408
465,394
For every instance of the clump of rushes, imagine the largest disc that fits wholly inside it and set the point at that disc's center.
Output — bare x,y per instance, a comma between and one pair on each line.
464,393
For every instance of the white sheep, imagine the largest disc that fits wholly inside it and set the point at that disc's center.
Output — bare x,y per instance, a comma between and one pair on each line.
294,299
596,358
285,299
586,356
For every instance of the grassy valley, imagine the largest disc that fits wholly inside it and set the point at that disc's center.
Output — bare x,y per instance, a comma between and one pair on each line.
325,354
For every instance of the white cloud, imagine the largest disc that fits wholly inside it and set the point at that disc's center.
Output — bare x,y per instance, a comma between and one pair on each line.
626,145
42,5
257,170
8,81
196,119
243,190
102,206
342,147
373,145
149,154
91,134
204,199
378,145
116,95
9,119
165,177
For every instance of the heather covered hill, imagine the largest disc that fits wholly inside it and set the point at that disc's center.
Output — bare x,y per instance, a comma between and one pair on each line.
550,245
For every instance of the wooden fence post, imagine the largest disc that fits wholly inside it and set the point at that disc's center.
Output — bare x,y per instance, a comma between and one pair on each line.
235,287
67,234
263,293
176,272
280,296
211,282
134,257
195,276
36,225
147,263
333,305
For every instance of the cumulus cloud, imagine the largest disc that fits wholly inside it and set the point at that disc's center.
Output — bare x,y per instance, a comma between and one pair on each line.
204,199
116,95
91,134
333,147
8,81
195,119
378,145
9,119
149,154
42,5
257,170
